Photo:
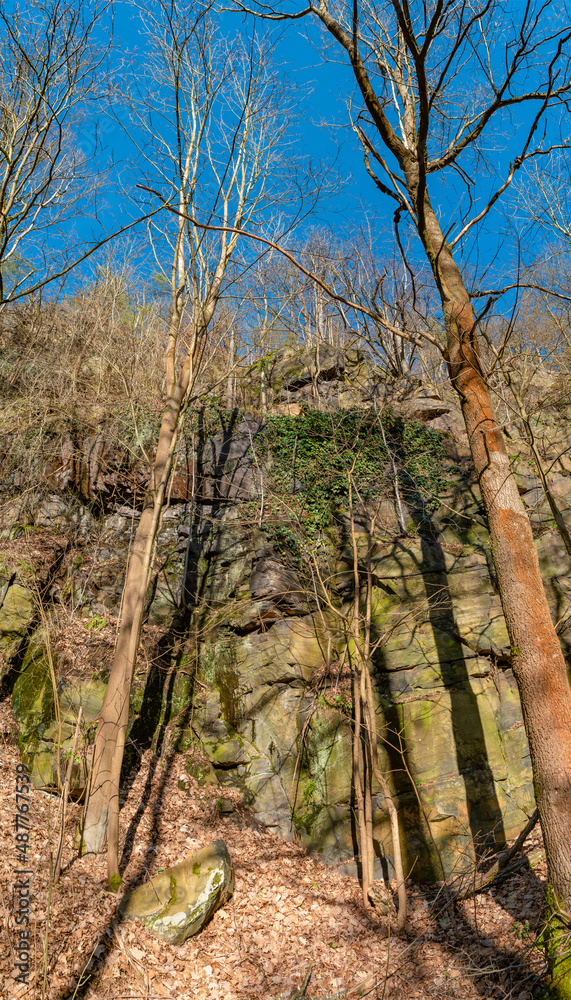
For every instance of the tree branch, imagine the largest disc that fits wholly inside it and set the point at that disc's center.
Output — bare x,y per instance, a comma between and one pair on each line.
377,317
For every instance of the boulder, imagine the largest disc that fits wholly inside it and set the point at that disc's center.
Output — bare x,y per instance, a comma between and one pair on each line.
17,610
46,732
16,616
179,901
52,511
424,404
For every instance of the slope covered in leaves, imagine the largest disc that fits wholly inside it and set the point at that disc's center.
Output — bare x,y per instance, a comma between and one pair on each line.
289,911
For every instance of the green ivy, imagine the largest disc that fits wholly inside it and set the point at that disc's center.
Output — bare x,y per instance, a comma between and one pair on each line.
314,454
341,702
285,541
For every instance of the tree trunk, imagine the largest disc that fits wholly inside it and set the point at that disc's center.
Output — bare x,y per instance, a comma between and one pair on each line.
230,379
263,387
537,659
102,806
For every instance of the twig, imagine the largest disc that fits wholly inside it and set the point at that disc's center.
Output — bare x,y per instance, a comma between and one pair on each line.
140,970
300,993
500,865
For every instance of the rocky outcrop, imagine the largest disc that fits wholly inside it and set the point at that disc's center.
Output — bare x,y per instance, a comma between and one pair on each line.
334,379
252,668
273,712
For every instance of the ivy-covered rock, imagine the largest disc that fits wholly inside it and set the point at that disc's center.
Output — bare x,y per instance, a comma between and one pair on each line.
262,696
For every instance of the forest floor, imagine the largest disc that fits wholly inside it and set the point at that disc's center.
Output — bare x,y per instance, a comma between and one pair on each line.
288,912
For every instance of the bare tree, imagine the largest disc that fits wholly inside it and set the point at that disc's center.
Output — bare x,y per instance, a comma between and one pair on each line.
434,78
52,79
545,197
303,305
525,387
208,126
397,307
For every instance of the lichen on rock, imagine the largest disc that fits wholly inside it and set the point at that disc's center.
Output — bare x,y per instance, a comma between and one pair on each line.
179,901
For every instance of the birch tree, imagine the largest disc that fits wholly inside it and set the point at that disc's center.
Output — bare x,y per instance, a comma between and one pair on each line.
206,127
436,83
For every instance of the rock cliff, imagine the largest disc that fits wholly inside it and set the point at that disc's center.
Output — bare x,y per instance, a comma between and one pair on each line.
244,667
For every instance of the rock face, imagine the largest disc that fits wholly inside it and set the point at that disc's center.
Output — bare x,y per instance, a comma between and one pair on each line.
333,379
178,902
273,713
258,688
46,735
274,707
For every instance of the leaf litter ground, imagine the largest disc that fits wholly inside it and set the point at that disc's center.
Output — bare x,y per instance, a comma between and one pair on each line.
289,911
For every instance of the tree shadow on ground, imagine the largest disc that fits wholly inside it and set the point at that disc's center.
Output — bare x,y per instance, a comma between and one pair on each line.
152,726
496,972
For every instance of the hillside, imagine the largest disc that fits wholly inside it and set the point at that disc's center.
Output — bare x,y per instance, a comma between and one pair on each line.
243,703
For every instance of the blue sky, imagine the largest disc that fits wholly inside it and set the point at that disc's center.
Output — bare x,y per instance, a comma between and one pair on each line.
322,135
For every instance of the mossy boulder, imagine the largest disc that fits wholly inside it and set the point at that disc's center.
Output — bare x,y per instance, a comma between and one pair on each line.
33,698
228,753
47,728
178,902
17,612
201,770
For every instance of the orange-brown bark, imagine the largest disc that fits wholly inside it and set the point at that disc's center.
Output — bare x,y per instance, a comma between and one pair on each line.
538,663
